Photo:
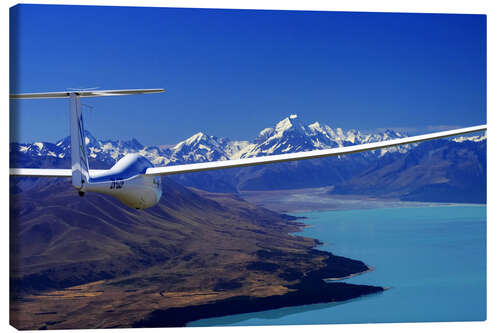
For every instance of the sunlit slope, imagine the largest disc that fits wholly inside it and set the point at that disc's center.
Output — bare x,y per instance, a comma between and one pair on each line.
59,239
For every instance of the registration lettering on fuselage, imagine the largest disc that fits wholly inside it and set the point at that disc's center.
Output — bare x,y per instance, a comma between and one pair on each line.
116,184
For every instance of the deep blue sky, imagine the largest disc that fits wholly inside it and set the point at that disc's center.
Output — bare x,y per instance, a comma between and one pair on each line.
232,72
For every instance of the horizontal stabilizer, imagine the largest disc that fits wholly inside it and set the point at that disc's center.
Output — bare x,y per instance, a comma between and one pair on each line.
186,168
85,93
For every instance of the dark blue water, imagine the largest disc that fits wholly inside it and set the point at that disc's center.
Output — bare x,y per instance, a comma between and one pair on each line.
433,258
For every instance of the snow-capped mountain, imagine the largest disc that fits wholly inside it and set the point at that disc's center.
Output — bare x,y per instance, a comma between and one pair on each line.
38,149
290,135
473,138
198,148
99,149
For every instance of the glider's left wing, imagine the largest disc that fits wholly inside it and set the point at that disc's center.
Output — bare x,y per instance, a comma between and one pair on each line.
185,168
41,172
46,172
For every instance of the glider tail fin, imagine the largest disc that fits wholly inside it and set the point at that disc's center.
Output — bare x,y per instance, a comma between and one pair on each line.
79,160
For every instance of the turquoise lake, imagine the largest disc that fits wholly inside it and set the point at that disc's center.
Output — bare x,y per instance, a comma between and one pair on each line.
432,258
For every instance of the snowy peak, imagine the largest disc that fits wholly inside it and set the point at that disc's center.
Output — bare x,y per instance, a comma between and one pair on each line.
325,136
198,148
37,149
472,138
104,150
42,149
290,135
289,124
192,140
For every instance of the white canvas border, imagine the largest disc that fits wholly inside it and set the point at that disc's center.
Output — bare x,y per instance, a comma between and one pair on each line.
424,6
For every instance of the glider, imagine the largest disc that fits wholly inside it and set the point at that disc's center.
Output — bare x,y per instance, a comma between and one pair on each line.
137,183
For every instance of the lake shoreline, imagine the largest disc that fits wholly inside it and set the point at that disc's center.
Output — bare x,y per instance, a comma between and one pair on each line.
391,306
370,269
305,200
311,289
319,286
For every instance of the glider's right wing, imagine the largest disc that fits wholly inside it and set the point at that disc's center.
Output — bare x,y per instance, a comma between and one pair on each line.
185,168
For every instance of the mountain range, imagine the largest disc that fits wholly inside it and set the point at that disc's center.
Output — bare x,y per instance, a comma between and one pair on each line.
366,173
288,135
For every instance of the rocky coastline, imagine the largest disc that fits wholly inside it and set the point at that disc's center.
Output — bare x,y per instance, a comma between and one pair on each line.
310,289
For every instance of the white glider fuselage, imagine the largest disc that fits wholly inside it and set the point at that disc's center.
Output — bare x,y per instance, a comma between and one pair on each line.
127,182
